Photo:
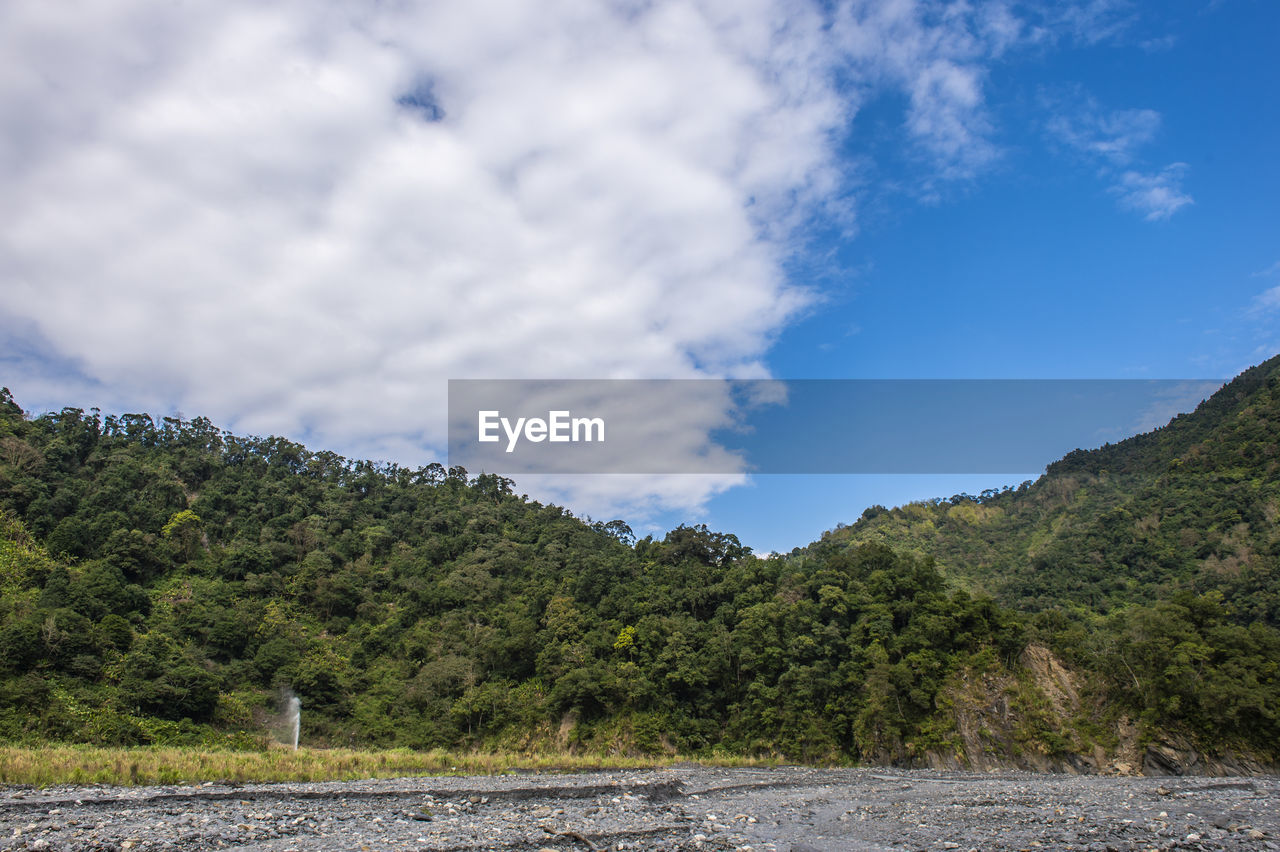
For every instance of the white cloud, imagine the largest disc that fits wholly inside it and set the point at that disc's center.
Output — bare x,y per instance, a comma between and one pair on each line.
1156,196
303,218
1111,140
937,56
1159,44
1113,137
1170,401
1092,21
257,199
1267,300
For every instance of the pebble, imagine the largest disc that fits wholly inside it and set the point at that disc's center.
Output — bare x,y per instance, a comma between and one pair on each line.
807,810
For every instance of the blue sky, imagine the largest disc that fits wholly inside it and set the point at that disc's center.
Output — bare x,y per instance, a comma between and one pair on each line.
305,219
1034,270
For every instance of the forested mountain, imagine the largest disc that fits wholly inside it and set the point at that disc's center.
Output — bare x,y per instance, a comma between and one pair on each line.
163,581
1154,561
1193,506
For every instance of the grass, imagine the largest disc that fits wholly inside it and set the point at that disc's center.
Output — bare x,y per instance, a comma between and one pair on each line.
46,766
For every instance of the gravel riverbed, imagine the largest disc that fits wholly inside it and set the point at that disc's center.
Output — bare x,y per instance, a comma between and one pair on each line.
682,808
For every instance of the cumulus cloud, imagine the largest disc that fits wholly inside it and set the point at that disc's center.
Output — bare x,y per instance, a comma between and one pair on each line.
303,218
305,224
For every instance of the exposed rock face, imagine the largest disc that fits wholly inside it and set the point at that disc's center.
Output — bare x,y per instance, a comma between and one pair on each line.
1031,718
1161,759
1177,756
1053,679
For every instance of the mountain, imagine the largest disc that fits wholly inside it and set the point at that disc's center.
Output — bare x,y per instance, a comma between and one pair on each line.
169,582
1152,565
1190,507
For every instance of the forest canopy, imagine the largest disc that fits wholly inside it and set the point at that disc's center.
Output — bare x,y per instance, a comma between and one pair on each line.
162,580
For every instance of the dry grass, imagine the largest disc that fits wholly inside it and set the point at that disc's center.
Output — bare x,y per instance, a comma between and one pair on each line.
65,764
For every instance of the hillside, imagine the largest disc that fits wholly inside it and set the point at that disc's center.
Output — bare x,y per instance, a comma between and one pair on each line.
166,582
163,582
1190,507
1153,562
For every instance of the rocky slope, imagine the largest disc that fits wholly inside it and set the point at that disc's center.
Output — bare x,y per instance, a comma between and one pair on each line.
1040,716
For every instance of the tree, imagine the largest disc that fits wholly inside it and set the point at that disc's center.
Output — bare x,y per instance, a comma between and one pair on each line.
183,529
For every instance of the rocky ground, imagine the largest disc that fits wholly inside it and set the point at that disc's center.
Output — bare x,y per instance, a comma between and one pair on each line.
684,808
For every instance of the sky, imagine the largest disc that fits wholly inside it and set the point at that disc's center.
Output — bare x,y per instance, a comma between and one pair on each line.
305,218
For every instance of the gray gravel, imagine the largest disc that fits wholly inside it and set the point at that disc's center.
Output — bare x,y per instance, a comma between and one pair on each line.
685,808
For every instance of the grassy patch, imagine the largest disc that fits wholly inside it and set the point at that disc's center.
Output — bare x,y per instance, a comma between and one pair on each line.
68,764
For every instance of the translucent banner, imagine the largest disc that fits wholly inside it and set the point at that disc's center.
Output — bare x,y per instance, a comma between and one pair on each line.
799,426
